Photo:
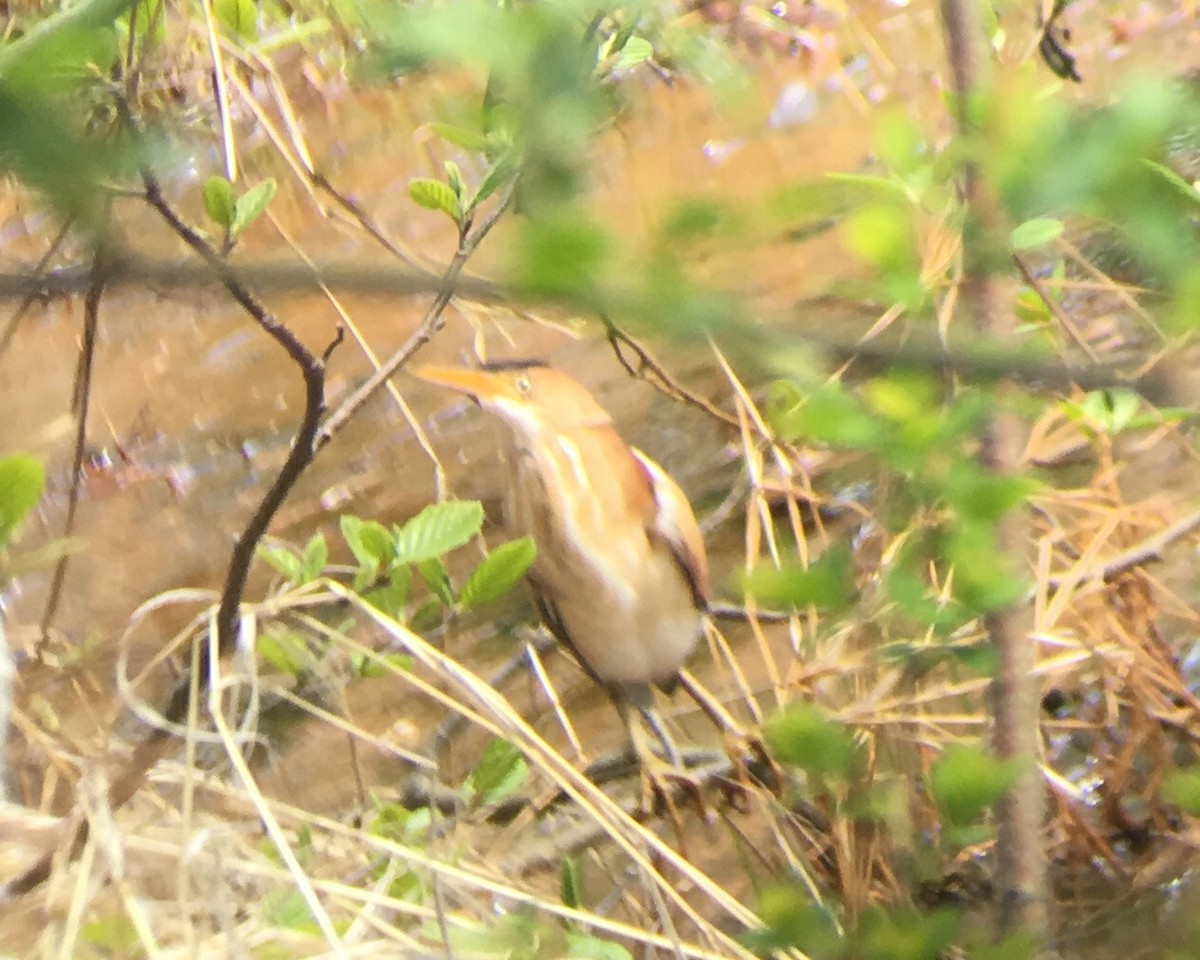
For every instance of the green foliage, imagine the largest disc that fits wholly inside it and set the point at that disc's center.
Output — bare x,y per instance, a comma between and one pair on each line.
792,920
47,137
1035,233
499,573
500,773
22,479
905,934
570,882
231,212
436,530
113,935
966,780
286,908
435,195
285,650
827,583
802,736
238,17
583,946
1182,788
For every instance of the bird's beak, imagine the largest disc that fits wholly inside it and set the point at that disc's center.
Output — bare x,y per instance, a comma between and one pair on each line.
475,383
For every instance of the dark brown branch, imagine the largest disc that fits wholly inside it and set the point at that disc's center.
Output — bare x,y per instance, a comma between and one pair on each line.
433,321
81,395
648,368
33,295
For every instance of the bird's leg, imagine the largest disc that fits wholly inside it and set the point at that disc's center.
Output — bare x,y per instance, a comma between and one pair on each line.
658,775
739,742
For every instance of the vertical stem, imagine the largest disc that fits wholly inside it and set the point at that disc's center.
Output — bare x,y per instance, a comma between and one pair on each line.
1020,862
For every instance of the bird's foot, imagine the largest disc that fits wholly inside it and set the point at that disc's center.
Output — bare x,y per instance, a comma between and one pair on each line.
669,790
753,767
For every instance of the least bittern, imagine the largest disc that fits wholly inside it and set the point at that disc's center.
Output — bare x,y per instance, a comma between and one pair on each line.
621,577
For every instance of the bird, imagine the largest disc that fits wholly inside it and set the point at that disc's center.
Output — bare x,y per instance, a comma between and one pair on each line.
621,574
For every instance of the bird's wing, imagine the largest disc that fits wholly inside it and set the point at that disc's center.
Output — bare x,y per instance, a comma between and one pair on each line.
673,523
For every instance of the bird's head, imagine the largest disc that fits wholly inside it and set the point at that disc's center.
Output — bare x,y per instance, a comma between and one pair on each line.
530,396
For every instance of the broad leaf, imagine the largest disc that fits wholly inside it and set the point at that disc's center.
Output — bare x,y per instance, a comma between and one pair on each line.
250,205
435,195
219,202
438,529
22,479
498,574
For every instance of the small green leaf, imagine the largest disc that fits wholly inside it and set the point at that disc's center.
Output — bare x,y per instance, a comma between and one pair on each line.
373,668
287,909
1182,788
285,650
240,17
474,140
499,573
250,205
827,583
314,558
284,560
1186,190
570,882
502,171
435,195
437,579
219,202
438,529
804,737
22,479
966,780
368,540
1035,233
583,946
391,599
637,50
499,774
455,181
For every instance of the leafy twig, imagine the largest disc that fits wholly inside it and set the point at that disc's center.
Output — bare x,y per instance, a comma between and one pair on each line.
433,321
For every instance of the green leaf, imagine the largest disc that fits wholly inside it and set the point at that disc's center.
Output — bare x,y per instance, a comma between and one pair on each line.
966,780
437,579
438,529
560,255
1182,788
499,774
314,558
250,205
1186,190
802,736
391,599
435,195
455,181
1035,233
285,650
284,560
474,140
792,919
368,540
219,202
287,909
22,479
570,882
583,946
499,573
637,50
827,583
501,172
240,17
372,668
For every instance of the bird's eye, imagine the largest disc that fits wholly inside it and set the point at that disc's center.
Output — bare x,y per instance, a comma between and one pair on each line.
523,384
